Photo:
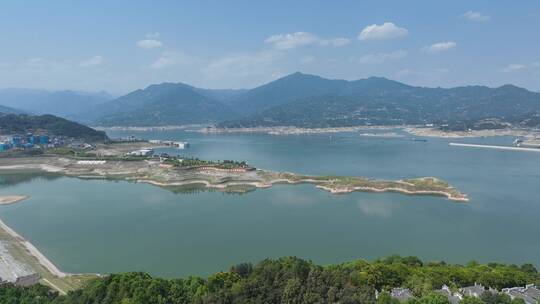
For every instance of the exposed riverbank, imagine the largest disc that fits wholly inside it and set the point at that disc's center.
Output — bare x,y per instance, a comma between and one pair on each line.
431,132
12,199
153,172
25,254
411,129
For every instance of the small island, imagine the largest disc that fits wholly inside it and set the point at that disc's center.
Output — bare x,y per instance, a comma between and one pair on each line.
12,199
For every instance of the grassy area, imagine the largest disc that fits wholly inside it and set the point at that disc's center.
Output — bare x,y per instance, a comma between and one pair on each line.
196,162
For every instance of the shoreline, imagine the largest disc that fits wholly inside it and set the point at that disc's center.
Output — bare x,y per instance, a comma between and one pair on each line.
12,199
33,251
151,172
415,130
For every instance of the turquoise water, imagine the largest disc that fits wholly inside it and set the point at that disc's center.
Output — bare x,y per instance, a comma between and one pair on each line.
101,226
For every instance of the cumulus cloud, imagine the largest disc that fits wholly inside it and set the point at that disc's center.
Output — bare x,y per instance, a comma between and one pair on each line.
475,16
387,30
92,62
298,39
169,59
381,57
441,46
514,67
149,43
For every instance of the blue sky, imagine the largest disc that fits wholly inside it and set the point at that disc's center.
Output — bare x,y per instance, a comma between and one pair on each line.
119,46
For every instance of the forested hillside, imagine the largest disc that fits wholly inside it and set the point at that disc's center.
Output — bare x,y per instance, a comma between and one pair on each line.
292,280
22,123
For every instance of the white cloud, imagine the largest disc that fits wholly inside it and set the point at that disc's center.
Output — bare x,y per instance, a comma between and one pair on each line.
475,16
441,46
169,59
149,43
514,67
387,30
298,39
381,57
92,62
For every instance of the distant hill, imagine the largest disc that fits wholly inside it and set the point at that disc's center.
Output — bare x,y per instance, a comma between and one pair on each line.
69,104
164,104
311,101
299,86
23,123
8,110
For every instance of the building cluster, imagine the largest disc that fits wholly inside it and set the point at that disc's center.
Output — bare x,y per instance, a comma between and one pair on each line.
177,144
530,294
28,141
141,152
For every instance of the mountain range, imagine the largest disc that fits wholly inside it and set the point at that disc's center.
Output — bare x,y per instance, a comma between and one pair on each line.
304,100
69,104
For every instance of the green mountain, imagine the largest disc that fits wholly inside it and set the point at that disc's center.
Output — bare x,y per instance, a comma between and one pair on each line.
22,123
311,101
163,104
67,104
299,86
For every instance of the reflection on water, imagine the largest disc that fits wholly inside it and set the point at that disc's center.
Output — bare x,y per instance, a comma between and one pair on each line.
12,178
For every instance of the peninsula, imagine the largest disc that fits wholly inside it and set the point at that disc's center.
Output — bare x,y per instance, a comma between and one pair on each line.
113,162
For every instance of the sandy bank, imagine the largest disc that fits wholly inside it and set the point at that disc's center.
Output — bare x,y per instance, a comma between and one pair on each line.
430,132
12,199
288,130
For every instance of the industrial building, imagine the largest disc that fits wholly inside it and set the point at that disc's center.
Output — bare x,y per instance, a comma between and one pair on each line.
24,142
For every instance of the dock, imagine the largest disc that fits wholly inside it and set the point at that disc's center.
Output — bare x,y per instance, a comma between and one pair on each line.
496,147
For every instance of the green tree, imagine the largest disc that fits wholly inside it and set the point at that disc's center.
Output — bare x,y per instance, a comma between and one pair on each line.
434,298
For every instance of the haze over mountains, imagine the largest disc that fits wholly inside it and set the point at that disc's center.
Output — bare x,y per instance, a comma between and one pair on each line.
304,101
69,104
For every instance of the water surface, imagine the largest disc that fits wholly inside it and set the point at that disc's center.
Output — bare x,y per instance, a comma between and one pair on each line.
103,226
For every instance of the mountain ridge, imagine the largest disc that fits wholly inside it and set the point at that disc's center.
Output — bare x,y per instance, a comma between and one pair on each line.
315,102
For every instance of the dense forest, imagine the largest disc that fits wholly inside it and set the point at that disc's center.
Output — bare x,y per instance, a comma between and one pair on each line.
22,123
293,280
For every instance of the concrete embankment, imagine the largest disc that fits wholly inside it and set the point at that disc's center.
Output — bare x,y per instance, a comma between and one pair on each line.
32,250
496,147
